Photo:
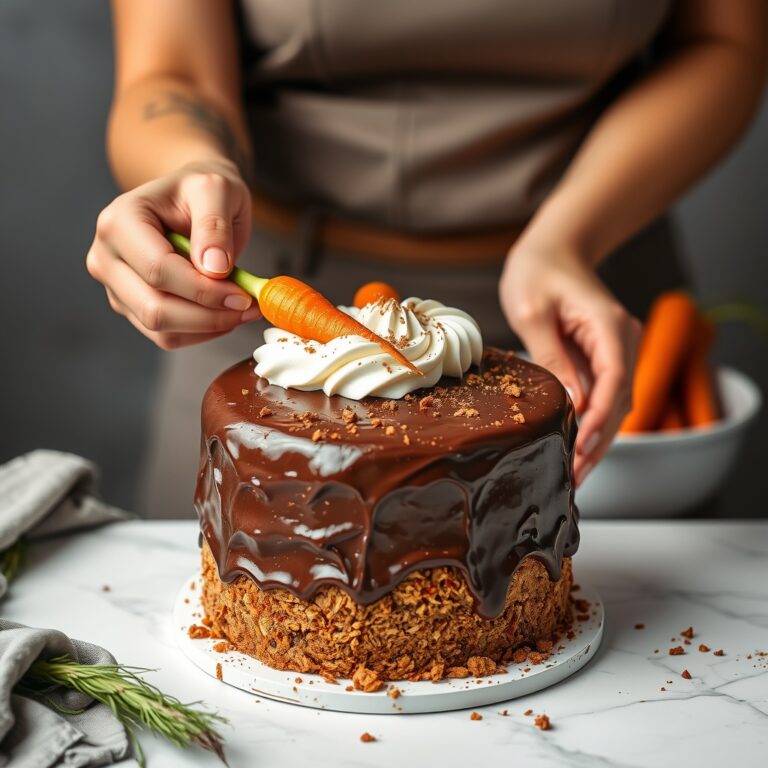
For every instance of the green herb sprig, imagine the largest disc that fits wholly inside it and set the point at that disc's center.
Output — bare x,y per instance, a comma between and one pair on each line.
134,702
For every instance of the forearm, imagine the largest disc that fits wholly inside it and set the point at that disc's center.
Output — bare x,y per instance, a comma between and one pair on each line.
649,146
159,124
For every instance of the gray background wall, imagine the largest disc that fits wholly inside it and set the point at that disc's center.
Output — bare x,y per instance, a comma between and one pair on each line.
75,376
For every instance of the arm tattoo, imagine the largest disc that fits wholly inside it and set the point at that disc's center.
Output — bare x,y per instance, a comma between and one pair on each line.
203,117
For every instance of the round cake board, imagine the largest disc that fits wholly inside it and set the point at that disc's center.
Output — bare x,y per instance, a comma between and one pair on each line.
306,690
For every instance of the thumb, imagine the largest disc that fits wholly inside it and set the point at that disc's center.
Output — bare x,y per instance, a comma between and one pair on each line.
211,237
545,344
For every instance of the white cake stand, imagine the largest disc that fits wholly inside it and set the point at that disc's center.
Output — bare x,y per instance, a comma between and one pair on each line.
258,679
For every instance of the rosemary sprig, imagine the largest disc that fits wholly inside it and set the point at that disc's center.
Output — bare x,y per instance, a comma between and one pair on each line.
10,560
133,701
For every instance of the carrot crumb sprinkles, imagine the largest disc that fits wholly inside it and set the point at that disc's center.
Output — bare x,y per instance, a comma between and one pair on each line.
685,674
721,652
264,412
475,716
687,633
528,712
704,648
677,651
542,722
196,632
219,673
367,738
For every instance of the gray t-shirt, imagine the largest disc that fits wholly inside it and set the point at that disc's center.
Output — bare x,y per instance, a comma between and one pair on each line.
431,115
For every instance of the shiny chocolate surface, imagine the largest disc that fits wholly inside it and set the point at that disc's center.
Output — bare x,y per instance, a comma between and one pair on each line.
297,489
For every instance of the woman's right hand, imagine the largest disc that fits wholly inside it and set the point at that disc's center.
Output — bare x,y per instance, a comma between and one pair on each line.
173,301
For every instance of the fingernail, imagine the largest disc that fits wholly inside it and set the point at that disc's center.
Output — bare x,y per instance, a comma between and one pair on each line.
237,301
215,260
251,314
571,394
590,443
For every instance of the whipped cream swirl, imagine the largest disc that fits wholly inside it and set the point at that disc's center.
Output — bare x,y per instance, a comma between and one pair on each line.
438,340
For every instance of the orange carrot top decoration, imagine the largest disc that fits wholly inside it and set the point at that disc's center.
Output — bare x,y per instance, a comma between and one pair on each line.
295,307
372,292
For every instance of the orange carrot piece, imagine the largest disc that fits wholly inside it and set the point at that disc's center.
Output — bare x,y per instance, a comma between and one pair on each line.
292,305
669,334
700,401
672,417
295,307
372,292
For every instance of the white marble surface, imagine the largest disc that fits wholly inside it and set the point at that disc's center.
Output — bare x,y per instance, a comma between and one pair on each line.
667,575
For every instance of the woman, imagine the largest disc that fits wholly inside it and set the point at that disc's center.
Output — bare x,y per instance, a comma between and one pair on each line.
460,150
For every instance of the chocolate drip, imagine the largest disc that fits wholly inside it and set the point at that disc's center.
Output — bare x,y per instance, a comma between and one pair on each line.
292,495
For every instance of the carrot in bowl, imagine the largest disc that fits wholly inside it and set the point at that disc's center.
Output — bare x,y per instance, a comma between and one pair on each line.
295,307
667,341
700,401
672,417
372,292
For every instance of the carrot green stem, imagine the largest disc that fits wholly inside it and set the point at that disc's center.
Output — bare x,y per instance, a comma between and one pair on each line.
248,282
740,312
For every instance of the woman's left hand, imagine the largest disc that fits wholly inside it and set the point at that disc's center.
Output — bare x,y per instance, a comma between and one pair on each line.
572,325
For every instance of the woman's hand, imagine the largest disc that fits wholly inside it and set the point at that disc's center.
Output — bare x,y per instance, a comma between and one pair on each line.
572,325
172,301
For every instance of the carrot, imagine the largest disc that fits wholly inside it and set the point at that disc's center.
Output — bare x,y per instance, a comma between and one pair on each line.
669,334
290,304
700,402
295,307
672,417
372,292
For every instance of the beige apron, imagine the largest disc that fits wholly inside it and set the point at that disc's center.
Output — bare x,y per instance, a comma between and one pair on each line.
430,116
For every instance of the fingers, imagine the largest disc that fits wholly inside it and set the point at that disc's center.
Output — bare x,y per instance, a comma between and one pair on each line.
612,354
145,249
540,332
154,312
219,215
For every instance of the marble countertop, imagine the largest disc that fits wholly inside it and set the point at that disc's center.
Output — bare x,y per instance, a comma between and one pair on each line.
665,575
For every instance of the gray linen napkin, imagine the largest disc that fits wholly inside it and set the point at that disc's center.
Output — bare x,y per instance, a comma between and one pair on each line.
43,493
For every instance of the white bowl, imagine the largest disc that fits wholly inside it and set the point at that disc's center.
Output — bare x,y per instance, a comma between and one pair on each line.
663,474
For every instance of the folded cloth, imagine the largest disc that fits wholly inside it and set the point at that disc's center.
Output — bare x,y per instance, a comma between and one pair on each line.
43,493
47,492
36,735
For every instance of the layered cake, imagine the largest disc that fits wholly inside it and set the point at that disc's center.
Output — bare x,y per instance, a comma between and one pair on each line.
359,520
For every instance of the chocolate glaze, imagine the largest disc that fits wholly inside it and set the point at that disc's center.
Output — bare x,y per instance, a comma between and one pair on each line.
360,511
